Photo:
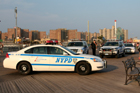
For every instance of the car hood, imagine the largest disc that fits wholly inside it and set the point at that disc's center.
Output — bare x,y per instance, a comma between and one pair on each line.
78,47
130,47
87,56
109,47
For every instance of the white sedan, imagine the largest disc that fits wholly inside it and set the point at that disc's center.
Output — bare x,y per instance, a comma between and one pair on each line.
52,58
129,48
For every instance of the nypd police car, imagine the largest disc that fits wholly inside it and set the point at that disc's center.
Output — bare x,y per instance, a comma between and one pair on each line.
129,48
52,58
112,48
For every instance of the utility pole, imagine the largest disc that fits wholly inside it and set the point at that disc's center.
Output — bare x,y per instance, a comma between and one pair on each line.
115,30
16,24
88,32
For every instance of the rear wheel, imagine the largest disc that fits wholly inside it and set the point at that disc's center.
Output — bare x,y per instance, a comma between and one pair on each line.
83,68
24,68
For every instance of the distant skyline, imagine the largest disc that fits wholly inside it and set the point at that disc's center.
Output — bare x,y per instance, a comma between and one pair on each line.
44,15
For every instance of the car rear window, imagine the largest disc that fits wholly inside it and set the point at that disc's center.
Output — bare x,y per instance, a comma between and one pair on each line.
75,44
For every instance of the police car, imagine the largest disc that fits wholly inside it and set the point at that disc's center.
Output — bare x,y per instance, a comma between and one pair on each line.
112,48
52,58
80,47
129,48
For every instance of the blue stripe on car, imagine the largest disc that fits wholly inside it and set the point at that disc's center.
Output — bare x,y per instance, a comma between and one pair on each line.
52,65
49,55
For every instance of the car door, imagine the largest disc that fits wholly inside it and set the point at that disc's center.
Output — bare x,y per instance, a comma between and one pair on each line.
60,62
39,58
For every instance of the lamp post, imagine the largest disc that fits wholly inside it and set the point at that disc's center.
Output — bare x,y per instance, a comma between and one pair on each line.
16,24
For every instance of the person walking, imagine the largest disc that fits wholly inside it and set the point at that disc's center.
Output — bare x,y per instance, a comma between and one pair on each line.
1,46
93,46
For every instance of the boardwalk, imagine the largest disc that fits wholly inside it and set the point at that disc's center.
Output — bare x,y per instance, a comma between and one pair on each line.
110,80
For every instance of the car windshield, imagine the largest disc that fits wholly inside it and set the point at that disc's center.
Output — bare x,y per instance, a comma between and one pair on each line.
74,53
111,44
75,44
128,45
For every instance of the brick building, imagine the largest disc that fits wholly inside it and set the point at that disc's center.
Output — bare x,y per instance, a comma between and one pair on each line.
64,34
42,34
32,35
4,35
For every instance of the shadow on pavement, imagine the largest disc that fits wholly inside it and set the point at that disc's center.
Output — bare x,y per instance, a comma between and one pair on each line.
108,69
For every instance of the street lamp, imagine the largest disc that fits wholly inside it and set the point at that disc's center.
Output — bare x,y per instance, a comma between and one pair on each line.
16,23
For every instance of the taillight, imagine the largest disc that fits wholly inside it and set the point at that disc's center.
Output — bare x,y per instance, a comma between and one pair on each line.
7,56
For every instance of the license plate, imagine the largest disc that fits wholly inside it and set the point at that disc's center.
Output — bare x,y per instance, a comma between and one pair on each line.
128,50
106,54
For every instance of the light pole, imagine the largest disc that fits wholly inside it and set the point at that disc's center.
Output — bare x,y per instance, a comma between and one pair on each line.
16,24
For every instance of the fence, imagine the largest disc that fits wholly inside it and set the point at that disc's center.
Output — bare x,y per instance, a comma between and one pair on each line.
9,48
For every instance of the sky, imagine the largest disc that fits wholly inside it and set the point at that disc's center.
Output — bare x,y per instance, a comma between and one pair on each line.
44,15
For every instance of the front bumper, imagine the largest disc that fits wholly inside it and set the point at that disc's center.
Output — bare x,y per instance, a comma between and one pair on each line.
130,51
108,53
99,65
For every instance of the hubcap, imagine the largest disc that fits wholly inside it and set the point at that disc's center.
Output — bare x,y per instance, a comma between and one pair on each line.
82,68
24,68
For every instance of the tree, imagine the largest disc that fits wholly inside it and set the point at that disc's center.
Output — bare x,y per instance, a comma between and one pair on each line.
102,39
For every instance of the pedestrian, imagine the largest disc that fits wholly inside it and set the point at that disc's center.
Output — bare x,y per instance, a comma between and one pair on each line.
93,46
137,45
1,47
60,43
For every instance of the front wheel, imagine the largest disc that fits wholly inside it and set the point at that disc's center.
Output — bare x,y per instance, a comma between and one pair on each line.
24,68
83,68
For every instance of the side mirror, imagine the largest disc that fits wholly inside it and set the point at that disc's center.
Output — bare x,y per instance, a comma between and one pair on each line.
65,54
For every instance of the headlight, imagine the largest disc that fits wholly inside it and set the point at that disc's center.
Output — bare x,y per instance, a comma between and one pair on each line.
97,60
80,50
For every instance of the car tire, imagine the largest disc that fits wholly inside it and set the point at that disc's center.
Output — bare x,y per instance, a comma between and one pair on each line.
24,68
117,56
83,68
123,54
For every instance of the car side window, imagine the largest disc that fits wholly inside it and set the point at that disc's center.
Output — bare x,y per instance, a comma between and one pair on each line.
37,50
56,51
29,51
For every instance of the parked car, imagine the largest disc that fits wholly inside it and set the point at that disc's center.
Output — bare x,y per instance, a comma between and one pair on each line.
80,47
52,58
129,48
112,48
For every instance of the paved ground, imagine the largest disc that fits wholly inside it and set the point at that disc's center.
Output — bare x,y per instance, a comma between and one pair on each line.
106,81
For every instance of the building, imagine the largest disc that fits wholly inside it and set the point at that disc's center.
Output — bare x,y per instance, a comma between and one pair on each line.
110,33
63,34
23,33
